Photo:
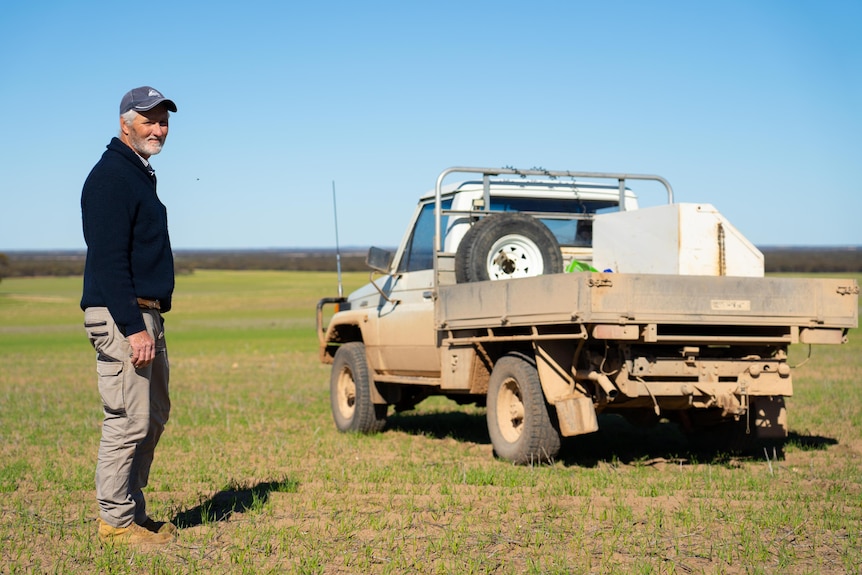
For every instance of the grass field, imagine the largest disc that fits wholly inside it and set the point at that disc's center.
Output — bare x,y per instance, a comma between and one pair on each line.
253,471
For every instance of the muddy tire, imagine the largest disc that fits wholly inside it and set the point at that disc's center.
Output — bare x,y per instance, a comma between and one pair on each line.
350,392
519,424
505,246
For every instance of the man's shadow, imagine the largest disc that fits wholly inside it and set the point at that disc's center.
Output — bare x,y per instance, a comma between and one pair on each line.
233,499
616,441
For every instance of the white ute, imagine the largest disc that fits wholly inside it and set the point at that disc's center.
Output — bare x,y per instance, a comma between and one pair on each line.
549,297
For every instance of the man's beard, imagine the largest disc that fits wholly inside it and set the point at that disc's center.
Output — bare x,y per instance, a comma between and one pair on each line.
146,147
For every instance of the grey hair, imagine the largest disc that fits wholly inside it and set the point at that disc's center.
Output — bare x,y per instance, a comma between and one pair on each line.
129,117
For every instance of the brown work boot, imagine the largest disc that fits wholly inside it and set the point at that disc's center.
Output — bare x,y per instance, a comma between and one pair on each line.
134,534
159,527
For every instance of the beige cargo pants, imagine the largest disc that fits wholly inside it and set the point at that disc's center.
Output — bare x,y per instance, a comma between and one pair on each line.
136,406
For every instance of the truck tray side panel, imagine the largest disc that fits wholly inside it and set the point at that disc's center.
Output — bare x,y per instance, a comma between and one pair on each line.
649,299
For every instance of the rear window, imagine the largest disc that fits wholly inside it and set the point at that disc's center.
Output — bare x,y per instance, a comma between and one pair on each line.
569,232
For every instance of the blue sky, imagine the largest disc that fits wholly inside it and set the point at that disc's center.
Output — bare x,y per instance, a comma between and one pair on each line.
752,106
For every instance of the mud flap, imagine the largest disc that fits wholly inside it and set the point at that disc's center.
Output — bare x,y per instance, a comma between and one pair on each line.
577,416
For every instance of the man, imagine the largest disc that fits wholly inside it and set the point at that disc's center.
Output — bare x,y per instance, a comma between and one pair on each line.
128,285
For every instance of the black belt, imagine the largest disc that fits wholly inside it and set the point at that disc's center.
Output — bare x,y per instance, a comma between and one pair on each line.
149,304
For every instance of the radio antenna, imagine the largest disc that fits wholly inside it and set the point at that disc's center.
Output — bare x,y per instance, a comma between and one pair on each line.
337,248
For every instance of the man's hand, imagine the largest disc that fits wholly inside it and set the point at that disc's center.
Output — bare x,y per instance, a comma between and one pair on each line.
143,349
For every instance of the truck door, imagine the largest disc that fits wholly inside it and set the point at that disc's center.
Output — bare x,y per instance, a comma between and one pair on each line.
405,325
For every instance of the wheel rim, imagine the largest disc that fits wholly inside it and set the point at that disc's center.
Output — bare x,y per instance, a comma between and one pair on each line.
345,394
510,411
514,256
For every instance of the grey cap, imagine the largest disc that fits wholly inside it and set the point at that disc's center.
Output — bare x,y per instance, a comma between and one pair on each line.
143,99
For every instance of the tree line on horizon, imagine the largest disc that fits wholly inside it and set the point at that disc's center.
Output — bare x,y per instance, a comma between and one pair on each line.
31,264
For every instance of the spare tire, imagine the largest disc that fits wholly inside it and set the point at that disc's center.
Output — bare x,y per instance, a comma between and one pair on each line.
505,246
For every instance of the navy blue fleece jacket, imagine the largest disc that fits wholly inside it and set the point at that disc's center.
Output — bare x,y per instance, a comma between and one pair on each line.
126,230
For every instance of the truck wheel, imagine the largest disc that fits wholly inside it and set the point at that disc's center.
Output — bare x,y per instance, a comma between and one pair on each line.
518,421
507,245
350,392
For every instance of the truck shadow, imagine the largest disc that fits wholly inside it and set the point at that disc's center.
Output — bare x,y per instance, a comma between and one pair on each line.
616,442
466,427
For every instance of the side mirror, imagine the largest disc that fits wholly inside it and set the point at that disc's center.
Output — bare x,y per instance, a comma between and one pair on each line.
379,259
